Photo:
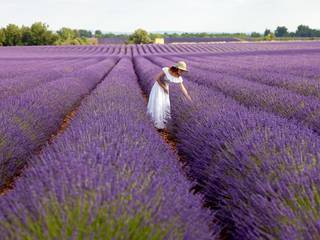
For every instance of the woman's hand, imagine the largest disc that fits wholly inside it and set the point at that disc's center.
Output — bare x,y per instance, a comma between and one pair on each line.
166,89
185,92
162,84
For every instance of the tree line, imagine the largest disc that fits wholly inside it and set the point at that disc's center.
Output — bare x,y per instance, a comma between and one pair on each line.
142,36
282,31
39,34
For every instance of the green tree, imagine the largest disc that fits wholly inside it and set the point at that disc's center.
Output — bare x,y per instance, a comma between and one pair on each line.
26,37
2,37
66,34
76,33
13,35
255,34
266,32
153,36
85,33
316,33
109,35
40,35
281,31
269,37
139,36
303,31
98,34
292,34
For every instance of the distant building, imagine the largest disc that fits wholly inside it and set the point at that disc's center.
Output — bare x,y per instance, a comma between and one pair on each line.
159,40
93,40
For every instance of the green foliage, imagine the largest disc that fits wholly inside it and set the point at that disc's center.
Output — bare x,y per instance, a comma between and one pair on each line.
13,35
266,32
86,217
72,41
139,36
281,31
2,36
40,35
291,34
303,31
98,34
66,34
26,35
306,31
269,37
85,33
255,34
155,35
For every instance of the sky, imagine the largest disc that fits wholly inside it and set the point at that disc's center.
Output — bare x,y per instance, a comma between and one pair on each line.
163,15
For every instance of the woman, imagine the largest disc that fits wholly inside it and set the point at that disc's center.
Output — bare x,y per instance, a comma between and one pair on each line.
159,103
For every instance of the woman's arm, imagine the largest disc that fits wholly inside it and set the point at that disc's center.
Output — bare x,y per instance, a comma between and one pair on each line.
161,83
185,92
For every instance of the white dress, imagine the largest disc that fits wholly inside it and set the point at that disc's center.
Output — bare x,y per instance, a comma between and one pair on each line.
159,102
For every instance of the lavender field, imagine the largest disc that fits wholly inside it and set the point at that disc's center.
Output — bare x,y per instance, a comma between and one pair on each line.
245,157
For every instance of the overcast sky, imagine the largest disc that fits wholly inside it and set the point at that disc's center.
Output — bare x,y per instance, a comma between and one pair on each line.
170,15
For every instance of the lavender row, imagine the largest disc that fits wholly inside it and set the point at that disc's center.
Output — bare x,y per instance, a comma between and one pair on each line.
60,51
112,156
152,49
299,63
13,68
271,99
258,171
307,84
44,75
28,120
20,70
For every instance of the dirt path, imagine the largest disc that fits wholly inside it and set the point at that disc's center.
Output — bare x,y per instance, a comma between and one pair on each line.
169,139
165,134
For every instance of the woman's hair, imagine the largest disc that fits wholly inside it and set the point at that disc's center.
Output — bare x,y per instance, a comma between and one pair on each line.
174,69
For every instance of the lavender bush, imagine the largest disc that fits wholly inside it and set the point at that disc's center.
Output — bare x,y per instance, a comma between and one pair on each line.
249,143
297,77
110,176
258,171
271,99
29,119
42,75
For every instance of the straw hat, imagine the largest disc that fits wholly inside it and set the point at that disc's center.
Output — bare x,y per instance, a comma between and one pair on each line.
181,65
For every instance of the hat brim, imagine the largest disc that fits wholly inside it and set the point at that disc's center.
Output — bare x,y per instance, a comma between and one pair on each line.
180,68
